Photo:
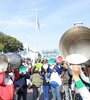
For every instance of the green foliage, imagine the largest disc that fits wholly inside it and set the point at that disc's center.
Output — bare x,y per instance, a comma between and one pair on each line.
1,47
10,44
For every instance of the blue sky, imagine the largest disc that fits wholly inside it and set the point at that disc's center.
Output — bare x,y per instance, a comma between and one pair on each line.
17,18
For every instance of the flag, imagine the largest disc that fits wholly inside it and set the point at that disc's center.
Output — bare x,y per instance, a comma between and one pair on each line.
38,25
37,22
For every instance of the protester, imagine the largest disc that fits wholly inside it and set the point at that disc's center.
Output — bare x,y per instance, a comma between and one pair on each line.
6,87
85,74
36,83
56,83
51,65
65,80
6,80
21,83
76,60
46,80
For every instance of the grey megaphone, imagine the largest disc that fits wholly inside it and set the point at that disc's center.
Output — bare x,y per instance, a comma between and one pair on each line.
14,60
76,40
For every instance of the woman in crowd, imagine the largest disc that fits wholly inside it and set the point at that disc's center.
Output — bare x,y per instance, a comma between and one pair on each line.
56,83
46,80
36,83
21,83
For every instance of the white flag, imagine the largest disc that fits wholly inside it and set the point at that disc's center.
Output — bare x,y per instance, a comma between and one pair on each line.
37,22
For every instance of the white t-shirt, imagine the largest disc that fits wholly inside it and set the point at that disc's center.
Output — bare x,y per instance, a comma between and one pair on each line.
55,77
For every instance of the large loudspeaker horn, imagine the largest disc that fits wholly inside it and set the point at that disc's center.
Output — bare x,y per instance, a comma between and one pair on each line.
13,59
76,40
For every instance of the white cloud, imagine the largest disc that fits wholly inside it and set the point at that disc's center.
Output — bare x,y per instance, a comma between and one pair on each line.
18,18
67,11
16,23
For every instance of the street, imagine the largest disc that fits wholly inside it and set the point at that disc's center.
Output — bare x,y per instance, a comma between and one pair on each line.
30,95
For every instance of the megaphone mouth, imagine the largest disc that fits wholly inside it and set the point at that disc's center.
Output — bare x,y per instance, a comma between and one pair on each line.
3,65
75,41
76,59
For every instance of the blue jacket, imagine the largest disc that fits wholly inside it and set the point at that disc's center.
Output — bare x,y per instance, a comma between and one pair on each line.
57,68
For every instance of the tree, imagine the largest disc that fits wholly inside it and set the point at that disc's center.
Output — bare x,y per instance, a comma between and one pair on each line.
1,47
11,44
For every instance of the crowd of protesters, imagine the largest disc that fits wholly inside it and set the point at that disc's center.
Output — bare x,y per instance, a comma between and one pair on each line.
54,76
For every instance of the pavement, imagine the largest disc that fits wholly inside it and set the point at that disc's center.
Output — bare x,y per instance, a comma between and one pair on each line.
30,95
